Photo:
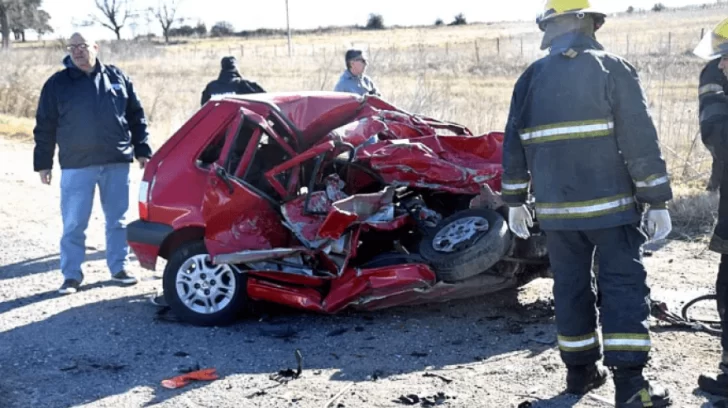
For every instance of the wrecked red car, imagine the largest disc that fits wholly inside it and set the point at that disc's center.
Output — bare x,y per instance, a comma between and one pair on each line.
322,201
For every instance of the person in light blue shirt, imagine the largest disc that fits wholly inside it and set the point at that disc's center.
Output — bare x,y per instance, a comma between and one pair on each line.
354,80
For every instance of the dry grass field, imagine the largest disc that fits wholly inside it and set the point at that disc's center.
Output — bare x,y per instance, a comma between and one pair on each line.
107,346
464,74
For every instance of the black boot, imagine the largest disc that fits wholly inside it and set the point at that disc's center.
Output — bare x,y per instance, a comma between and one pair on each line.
633,391
582,379
717,386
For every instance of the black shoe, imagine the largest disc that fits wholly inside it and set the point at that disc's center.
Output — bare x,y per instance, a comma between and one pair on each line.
652,395
717,386
124,278
69,286
582,379
633,391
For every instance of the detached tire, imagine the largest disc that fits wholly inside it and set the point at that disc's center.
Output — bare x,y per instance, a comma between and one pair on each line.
201,293
466,244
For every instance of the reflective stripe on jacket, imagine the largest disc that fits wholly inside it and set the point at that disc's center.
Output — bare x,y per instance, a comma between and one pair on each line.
580,134
713,108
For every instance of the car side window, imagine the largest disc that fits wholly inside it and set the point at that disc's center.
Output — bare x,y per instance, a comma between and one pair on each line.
268,155
240,144
212,151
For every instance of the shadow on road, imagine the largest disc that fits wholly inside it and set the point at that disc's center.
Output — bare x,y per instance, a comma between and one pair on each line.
108,348
44,264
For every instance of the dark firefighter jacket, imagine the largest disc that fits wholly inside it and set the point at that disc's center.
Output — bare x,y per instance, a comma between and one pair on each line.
229,82
95,119
713,104
580,134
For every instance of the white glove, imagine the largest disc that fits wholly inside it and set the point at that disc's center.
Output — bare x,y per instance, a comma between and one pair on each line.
658,224
519,219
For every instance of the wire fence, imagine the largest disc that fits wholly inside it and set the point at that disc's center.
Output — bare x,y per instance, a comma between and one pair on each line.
523,46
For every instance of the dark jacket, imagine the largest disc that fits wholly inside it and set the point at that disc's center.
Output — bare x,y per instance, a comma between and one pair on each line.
229,82
713,108
94,119
579,131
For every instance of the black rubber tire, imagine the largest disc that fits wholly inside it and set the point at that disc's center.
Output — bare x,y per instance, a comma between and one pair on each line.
484,250
226,316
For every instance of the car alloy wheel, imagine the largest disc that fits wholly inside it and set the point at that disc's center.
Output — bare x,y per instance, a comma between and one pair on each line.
203,287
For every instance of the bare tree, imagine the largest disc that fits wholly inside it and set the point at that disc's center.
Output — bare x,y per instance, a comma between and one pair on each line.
6,10
27,15
115,13
5,22
165,14
18,15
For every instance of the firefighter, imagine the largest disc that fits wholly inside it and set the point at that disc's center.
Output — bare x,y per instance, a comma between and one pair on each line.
711,96
714,134
579,135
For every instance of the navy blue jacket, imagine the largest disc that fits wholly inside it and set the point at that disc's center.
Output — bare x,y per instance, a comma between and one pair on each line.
94,119
713,108
580,134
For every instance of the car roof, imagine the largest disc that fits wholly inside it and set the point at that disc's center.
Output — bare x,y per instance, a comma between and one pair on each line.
310,114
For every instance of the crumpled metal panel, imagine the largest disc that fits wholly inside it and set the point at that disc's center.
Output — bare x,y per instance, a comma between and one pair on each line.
239,220
404,150
448,163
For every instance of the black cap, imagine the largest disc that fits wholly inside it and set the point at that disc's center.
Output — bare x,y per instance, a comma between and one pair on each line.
229,63
353,54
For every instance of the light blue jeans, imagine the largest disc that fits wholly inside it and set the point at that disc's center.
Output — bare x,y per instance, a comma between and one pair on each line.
78,187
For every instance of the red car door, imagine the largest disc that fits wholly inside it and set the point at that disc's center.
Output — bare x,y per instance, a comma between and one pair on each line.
238,216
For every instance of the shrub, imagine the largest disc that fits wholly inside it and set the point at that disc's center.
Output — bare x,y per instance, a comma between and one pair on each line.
375,22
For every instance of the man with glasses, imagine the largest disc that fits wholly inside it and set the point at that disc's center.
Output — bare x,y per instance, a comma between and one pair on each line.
354,80
91,111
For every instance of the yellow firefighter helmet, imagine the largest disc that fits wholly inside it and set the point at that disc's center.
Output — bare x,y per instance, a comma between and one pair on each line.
556,8
714,43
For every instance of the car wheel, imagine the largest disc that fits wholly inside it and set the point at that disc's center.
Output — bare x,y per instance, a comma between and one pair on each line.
466,244
200,292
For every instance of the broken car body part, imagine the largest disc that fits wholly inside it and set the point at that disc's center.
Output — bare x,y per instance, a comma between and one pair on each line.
323,201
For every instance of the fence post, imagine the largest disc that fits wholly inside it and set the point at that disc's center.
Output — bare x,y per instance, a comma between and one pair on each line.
669,42
447,48
627,53
702,33
497,45
477,52
521,46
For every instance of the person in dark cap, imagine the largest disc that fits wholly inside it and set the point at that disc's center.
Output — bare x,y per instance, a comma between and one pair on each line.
229,82
353,79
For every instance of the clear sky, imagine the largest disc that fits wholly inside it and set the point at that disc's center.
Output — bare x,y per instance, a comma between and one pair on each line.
250,15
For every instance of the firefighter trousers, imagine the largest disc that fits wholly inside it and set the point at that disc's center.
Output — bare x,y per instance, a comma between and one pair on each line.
625,339
719,244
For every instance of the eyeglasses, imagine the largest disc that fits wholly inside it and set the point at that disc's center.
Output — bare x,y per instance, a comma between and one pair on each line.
72,47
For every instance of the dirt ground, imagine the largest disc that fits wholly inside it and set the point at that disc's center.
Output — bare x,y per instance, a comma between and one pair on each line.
107,346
